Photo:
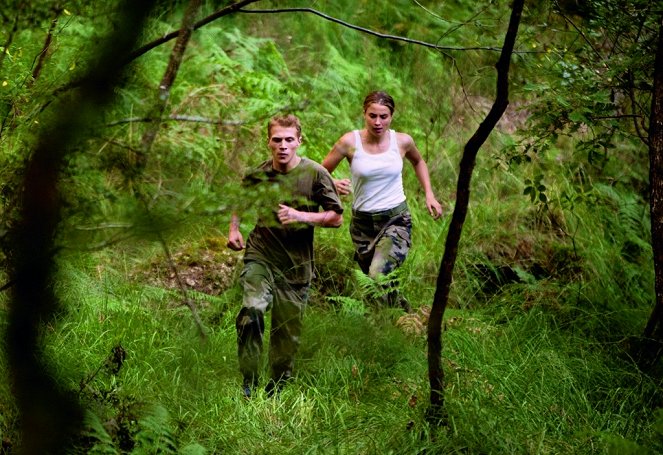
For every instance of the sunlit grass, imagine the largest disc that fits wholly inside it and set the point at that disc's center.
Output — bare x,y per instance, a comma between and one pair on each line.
534,365
516,382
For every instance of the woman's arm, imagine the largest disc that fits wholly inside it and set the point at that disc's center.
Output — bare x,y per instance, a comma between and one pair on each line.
341,149
411,152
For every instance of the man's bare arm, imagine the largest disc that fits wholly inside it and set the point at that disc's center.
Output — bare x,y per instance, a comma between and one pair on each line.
329,218
235,238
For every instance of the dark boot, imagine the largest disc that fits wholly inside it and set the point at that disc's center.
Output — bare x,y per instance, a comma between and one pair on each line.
249,385
396,300
274,386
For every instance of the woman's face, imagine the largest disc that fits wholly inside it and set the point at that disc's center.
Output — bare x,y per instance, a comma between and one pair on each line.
377,118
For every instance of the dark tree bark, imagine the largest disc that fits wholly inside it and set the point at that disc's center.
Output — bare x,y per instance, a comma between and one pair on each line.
10,38
653,346
36,72
50,417
169,76
444,278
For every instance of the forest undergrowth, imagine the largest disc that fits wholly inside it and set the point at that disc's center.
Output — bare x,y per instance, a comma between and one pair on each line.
524,374
553,282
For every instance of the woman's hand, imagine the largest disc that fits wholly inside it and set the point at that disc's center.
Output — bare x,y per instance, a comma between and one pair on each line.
434,207
343,186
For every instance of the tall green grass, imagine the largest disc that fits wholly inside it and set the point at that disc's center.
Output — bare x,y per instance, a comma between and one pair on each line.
518,383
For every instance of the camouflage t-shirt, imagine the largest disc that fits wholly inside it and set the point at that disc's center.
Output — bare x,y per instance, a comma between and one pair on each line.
287,249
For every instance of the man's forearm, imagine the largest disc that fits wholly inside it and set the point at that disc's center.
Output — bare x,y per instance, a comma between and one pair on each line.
328,218
234,223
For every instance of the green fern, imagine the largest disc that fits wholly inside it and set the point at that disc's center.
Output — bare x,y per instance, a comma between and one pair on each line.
348,305
155,434
193,449
96,431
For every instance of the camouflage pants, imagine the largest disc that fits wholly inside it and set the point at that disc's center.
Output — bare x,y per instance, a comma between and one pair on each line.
262,292
382,242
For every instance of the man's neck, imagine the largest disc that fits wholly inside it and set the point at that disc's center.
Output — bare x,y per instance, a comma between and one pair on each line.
289,166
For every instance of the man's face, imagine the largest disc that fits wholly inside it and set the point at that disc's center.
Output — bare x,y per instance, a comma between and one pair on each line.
284,142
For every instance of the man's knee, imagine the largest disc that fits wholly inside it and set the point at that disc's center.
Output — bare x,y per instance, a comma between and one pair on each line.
250,323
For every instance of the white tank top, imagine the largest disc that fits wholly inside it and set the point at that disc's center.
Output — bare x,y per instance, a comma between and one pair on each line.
377,179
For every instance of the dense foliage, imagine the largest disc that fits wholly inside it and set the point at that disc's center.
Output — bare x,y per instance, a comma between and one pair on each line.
554,278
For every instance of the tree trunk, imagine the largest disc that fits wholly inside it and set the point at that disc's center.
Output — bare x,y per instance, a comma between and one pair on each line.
169,76
444,278
50,416
176,56
7,108
653,333
36,72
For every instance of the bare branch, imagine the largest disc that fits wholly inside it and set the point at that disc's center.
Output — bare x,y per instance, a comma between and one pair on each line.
10,38
580,33
198,119
453,29
180,118
435,15
368,31
45,48
616,116
148,138
237,7
103,226
172,35
4,50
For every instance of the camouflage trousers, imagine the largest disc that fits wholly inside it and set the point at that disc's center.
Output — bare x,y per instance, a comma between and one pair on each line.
262,293
382,242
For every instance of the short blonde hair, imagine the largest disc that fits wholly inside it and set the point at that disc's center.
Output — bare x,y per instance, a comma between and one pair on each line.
286,121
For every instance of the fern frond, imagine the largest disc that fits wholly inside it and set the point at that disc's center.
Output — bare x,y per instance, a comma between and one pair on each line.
193,449
379,287
155,434
95,430
348,304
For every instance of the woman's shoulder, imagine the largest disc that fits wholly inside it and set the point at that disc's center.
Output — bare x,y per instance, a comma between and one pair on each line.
348,138
404,140
346,143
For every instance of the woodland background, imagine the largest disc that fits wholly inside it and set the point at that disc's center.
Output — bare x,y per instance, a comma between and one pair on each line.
133,348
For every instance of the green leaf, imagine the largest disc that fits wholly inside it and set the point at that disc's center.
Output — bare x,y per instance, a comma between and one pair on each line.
578,117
